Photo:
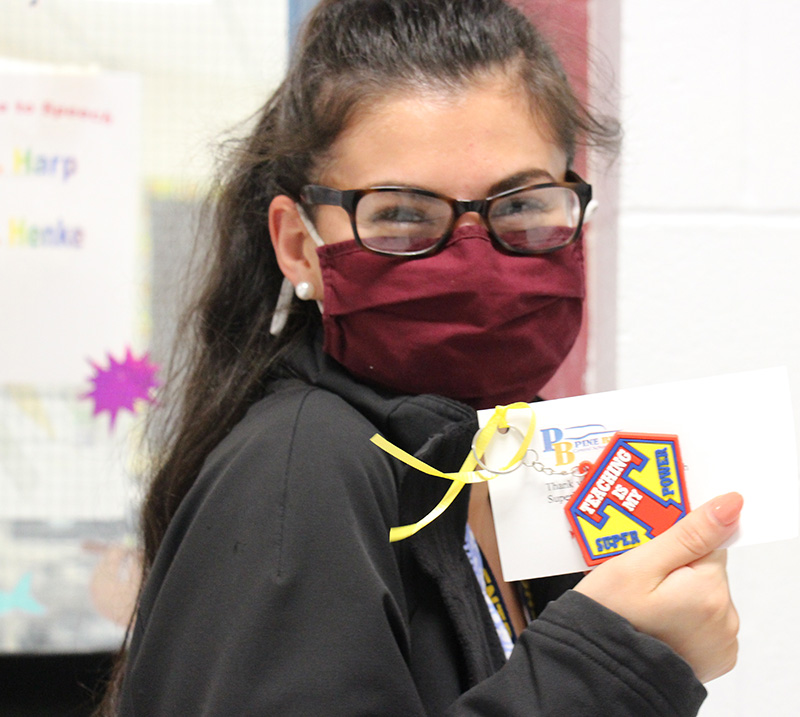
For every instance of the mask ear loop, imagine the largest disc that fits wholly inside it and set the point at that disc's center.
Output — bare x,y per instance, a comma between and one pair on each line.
281,314
309,225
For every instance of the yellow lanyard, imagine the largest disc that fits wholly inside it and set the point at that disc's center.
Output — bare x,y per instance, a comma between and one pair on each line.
467,473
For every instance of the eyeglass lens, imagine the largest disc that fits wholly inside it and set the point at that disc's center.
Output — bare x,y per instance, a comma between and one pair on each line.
401,222
529,221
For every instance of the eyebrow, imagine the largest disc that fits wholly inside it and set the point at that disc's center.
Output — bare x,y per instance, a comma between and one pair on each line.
520,179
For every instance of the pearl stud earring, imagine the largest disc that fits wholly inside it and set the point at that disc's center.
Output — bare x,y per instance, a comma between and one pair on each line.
304,291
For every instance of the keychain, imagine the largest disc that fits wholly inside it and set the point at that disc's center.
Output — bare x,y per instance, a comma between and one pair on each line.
633,492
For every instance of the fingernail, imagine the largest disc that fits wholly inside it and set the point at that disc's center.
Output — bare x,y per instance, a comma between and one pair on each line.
725,509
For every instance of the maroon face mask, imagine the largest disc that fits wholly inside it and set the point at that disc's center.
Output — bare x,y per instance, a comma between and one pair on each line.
469,323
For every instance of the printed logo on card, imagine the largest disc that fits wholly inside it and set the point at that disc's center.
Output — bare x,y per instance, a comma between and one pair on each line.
633,492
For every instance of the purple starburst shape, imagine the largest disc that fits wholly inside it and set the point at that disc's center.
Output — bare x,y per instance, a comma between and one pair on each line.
122,384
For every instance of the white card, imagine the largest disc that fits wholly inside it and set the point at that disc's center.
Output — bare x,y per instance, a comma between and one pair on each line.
736,433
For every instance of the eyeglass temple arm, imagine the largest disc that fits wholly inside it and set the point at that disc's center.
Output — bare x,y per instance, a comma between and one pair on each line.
317,194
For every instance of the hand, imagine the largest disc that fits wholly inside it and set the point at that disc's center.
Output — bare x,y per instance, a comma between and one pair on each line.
675,587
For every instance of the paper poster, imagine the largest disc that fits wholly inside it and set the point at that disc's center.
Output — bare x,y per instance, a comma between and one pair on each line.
736,433
69,210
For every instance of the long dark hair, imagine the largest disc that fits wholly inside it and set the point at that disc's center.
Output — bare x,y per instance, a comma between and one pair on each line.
351,54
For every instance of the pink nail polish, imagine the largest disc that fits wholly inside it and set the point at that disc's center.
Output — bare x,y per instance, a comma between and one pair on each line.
726,508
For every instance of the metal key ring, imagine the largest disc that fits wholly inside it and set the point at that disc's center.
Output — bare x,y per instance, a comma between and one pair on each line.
483,466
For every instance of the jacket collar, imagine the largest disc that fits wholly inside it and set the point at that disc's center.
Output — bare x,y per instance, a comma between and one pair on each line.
410,422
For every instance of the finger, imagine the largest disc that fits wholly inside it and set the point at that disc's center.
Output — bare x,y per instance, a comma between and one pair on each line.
699,534
717,558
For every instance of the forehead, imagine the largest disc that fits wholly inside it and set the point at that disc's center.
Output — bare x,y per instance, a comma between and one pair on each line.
457,141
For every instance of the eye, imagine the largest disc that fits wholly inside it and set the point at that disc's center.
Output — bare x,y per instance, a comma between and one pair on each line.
399,209
398,214
529,208
519,205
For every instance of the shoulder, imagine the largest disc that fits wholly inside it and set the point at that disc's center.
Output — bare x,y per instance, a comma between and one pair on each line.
297,429
298,474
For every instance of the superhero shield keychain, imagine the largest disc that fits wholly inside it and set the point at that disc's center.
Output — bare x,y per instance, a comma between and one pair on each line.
633,492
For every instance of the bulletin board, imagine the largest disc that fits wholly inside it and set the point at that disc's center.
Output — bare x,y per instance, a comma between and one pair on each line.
74,375
112,115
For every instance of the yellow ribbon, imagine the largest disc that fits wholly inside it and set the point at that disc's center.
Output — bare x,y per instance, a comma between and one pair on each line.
467,473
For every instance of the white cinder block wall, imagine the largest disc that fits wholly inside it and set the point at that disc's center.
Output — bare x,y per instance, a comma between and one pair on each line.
708,257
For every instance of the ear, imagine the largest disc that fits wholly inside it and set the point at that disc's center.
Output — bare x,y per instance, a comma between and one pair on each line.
294,248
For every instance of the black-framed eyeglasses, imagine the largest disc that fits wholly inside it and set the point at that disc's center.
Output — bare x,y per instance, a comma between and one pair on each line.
397,221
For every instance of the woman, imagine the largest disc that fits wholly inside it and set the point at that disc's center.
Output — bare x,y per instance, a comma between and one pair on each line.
271,584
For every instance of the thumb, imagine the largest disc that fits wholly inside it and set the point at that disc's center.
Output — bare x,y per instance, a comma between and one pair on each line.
701,532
